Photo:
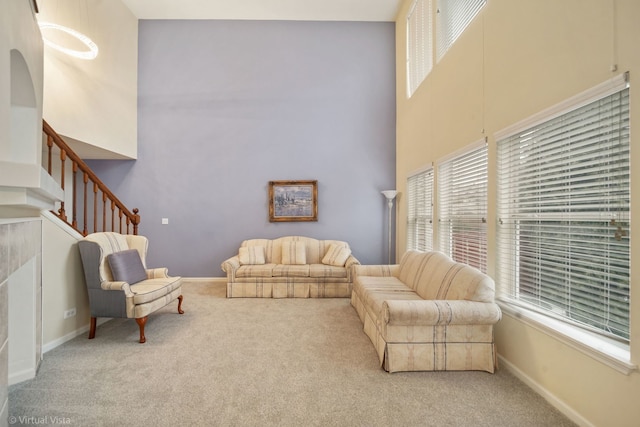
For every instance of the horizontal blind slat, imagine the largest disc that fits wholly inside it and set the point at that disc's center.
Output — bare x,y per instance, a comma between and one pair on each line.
462,201
563,204
419,215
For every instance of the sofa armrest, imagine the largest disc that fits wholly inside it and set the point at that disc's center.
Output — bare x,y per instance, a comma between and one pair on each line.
117,286
350,264
230,266
157,273
440,312
377,270
351,261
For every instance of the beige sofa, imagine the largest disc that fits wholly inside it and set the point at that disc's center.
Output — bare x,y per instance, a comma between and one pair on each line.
290,267
428,313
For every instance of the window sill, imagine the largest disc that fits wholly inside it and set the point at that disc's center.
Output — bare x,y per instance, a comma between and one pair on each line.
607,351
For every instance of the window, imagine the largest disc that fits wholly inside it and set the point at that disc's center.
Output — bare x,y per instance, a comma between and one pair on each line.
420,211
419,46
462,206
452,17
563,207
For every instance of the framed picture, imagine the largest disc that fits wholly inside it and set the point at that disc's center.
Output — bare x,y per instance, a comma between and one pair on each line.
293,201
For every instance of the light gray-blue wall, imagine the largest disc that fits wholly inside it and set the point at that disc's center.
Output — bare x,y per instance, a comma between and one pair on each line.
226,106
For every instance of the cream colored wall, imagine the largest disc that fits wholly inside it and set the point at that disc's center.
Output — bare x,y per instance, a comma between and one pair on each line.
93,101
516,58
63,286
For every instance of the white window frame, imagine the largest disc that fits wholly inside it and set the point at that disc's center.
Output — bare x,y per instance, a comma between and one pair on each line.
609,351
419,44
420,210
462,187
452,18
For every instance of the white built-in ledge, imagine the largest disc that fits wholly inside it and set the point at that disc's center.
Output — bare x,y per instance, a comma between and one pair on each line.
608,351
28,186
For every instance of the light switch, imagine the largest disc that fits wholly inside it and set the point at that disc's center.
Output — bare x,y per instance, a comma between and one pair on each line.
165,220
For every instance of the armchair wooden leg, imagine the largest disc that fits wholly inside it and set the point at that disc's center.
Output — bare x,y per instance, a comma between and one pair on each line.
92,328
141,322
180,305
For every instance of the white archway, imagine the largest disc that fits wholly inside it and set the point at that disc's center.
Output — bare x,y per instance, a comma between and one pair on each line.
24,143
25,284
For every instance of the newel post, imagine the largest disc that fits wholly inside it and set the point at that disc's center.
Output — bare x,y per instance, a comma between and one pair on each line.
136,221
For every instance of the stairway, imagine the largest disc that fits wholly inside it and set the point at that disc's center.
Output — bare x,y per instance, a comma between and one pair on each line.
89,206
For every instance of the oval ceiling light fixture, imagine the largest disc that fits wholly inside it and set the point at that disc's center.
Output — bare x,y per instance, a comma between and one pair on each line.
86,54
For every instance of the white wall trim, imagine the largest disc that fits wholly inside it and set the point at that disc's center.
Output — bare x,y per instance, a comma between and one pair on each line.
467,148
606,351
561,406
71,335
64,227
217,281
20,376
606,88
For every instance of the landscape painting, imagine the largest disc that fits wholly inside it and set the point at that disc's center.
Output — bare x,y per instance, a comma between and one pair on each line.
293,201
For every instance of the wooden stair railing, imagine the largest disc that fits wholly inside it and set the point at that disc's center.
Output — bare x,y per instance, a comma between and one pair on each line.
124,221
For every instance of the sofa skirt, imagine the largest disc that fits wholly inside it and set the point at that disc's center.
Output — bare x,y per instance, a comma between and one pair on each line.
289,288
440,356
428,348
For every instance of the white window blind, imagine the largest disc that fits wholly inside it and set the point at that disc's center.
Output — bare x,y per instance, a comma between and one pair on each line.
452,17
462,206
563,206
420,211
419,45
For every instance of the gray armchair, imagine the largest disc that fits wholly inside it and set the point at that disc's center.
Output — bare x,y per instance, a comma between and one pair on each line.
119,283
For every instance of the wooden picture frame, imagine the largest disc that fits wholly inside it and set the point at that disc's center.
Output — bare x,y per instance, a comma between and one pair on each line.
293,201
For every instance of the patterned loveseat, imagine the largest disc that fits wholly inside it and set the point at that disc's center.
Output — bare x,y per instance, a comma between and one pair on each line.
428,313
292,266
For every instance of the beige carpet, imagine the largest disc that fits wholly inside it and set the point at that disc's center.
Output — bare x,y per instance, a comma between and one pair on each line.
257,362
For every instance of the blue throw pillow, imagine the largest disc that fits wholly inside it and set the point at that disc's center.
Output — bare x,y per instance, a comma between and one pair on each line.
126,266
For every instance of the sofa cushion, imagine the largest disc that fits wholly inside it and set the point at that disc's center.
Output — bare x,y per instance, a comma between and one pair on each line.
256,270
336,255
293,252
152,289
126,266
288,270
251,255
328,271
435,276
429,274
374,299
363,284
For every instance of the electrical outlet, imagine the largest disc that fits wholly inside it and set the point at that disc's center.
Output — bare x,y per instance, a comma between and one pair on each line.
70,313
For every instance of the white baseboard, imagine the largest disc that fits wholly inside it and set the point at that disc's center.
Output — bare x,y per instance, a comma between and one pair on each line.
561,406
216,281
71,335
18,377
